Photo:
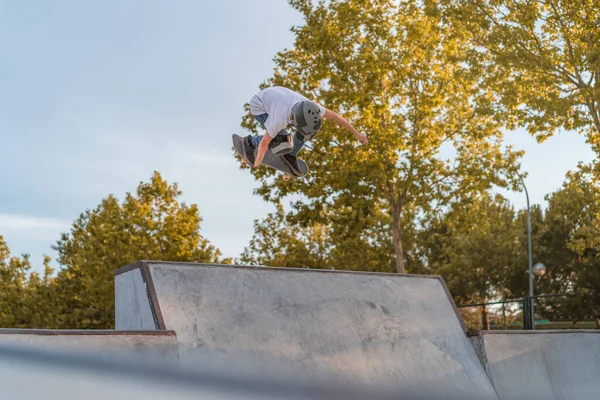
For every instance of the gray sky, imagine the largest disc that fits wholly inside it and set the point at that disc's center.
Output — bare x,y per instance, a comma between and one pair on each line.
94,96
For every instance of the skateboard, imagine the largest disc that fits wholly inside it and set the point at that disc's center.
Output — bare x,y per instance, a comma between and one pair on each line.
271,160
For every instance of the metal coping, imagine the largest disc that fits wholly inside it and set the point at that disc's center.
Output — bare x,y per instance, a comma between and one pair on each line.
143,266
138,264
80,332
538,332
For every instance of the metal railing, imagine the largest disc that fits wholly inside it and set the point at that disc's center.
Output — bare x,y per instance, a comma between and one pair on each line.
552,311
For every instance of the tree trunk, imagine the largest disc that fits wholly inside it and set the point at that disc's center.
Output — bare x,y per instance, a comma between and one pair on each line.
400,267
591,104
485,321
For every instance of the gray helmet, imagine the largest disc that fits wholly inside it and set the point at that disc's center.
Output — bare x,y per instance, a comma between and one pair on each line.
306,118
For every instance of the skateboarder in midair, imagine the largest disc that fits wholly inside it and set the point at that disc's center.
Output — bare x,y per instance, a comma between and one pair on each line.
275,108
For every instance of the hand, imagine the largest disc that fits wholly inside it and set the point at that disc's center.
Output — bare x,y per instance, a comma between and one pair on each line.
362,138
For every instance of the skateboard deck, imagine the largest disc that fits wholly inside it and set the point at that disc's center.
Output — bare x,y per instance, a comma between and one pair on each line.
271,159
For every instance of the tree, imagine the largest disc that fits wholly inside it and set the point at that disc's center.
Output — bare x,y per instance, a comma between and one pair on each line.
13,276
151,225
476,247
24,299
276,243
350,242
399,75
43,300
479,247
542,58
571,237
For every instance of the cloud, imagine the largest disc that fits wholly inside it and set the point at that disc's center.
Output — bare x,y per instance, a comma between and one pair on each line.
31,223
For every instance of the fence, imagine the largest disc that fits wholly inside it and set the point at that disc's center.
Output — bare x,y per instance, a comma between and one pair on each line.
553,311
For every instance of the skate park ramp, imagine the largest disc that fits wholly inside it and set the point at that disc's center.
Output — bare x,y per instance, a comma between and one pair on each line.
548,365
149,345
391,331
30,373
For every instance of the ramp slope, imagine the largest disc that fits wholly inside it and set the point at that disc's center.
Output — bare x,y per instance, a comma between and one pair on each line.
548,365
394,331
50,374
149,345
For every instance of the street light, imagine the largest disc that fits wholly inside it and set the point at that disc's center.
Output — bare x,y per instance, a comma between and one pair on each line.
532,305
539,270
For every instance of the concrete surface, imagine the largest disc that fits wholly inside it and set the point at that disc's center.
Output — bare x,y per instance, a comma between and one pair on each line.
387,330
32,374
548,365
158,346
132,293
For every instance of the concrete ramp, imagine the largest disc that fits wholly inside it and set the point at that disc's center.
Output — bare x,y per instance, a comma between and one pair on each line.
548,365
50,374
149,345
399,332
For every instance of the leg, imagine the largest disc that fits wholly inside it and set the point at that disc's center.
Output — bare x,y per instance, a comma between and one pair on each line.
291,159
250,143
298,145
255,140
261,119
280,144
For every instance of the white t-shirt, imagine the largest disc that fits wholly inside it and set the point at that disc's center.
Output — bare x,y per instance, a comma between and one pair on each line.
278,102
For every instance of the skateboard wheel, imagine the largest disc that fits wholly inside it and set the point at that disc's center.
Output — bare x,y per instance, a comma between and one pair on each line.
286,177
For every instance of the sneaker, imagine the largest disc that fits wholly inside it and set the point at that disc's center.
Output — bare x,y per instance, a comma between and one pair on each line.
248,150
292,162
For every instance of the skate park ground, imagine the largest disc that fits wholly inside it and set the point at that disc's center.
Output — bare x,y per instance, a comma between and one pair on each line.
185,330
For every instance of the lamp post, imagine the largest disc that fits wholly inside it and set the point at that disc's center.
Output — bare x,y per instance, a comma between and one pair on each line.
532,305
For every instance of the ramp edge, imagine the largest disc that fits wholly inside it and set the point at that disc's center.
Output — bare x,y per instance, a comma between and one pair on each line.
142,265
538,332
83,332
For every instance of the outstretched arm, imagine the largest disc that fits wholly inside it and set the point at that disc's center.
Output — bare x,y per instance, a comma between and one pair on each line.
262,149
341,121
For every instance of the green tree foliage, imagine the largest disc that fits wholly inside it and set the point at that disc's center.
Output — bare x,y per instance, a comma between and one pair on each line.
12,280
571,242
26,298
400,76
542,58
349,243
149,225
479,248
276,243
